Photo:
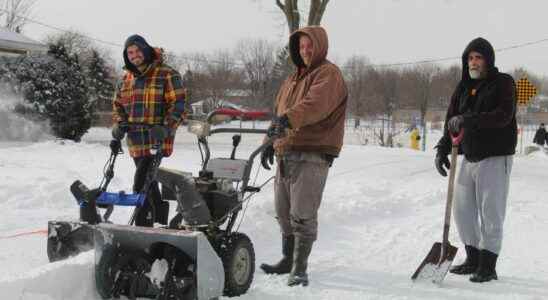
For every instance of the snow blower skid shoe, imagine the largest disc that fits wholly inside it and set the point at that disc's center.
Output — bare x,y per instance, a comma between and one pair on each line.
156,263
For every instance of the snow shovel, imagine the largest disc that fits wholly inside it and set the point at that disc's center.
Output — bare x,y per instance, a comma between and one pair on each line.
438,261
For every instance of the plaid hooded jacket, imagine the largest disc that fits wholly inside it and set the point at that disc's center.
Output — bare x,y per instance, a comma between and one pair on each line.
155,96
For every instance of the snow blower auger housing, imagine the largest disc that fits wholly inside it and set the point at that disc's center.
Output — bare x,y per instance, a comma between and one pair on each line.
198,255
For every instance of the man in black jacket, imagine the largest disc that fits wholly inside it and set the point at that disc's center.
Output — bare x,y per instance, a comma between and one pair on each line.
540,136
484,106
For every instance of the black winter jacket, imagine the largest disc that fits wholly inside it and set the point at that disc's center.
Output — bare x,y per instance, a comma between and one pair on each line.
488,107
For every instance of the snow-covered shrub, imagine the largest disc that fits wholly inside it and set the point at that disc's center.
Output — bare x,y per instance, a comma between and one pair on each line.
55,88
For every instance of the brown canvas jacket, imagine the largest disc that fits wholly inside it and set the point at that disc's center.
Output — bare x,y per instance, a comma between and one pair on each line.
314,99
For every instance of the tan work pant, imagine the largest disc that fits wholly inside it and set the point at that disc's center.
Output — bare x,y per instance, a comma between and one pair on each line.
299,185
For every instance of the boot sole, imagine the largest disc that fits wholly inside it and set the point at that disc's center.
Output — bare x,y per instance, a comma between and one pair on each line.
472,279
268,270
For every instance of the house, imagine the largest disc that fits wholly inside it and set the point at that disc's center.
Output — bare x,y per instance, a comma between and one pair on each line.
13,43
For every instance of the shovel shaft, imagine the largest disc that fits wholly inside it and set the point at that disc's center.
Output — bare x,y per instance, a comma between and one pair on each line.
449,203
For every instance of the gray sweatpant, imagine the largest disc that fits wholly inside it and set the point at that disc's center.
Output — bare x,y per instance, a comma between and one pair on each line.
298,189
479,203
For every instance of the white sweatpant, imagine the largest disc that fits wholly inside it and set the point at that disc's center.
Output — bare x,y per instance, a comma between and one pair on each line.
479,205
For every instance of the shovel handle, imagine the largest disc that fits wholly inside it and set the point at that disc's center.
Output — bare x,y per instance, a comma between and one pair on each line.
456,140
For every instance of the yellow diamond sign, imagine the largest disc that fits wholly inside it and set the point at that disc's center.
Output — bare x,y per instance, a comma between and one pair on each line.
526,91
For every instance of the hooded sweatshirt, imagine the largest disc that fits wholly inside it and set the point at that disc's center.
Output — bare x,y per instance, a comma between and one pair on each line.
488,106
155,96
313,98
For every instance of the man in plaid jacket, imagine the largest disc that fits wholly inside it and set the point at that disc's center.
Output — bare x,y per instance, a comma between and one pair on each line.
150,93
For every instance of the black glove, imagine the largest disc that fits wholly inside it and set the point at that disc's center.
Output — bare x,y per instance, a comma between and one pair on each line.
159,132
441,161
455,124
267,157
115,146
119,131
278,126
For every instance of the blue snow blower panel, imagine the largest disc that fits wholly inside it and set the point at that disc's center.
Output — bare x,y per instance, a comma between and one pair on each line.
121,199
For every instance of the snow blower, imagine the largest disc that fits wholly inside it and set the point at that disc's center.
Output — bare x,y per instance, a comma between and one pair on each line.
198,255
438,261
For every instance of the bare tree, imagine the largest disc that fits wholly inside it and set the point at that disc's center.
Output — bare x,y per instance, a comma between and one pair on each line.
210,77
386,99
419,82
358,72
258,58
290,8
15,13
316,12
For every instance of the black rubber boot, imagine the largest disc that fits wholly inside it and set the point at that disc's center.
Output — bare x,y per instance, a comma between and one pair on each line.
487,265
471,263
298,275
285,264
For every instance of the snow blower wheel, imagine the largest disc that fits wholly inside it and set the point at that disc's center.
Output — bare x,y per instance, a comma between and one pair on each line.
238,259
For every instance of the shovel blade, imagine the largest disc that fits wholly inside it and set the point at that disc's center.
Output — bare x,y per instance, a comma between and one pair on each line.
433,268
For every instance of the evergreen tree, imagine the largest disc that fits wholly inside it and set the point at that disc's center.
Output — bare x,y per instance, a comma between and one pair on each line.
100,86
70,117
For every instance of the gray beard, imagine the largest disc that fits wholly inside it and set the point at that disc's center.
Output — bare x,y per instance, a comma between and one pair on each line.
475,74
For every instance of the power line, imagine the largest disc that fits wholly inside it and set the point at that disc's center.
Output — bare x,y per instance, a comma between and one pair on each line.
115,44
458,57
204,60
63,30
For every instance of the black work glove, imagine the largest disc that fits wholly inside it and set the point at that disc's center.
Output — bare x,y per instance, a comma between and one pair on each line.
455,124
441,161
116,146
119,131
267,157
278,126
329,159
160,132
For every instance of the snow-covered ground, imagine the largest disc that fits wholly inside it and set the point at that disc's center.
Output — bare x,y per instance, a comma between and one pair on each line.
382,211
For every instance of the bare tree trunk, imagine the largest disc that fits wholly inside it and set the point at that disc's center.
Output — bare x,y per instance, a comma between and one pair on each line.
291,11
317,9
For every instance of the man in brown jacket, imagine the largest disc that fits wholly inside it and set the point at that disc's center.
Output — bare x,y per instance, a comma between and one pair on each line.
310,109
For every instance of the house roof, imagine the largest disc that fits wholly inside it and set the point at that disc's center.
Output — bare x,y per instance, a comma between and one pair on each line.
13,42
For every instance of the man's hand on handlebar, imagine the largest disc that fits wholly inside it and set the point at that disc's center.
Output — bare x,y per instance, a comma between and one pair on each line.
278,126
119,130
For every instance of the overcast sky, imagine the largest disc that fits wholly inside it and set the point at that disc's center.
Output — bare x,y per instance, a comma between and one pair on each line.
386,31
